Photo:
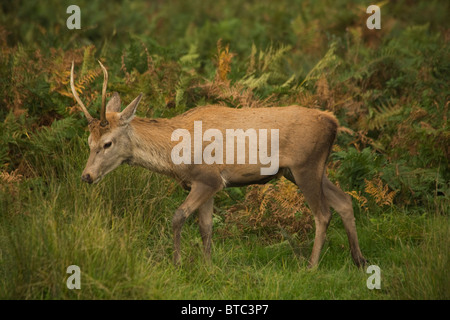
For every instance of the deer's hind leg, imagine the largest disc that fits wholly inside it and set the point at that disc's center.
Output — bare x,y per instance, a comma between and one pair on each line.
342,203
310,183
339,201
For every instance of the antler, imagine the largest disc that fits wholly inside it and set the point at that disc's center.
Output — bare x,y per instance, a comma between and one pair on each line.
103,121
77,98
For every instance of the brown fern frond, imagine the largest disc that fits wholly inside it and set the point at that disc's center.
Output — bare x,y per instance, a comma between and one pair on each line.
224,57
87,79
380,192
9,182
362,201
10,177
80,85
270,206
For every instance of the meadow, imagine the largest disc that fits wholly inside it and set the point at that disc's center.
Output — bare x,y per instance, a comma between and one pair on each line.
389,89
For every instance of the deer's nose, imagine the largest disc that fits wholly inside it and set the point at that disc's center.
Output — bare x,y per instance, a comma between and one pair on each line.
87,178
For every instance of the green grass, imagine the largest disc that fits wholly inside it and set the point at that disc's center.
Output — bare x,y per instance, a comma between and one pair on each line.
119,233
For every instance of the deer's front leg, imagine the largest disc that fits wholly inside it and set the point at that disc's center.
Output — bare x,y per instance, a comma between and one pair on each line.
200,194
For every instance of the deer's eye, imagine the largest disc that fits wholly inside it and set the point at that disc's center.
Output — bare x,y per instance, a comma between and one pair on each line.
107,145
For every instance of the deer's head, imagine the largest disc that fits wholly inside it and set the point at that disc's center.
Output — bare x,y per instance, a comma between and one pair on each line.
109,141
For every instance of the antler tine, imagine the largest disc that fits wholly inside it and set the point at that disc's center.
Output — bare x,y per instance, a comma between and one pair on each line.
103,121
77,98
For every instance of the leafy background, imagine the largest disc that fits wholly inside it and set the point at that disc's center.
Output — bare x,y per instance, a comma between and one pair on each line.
388,87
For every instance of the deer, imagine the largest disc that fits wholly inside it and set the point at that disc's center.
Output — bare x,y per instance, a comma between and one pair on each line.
306,137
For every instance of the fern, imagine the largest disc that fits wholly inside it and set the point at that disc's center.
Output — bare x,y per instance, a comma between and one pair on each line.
88,60
49,140
379,192
80,84
224,57
10,177
256,82
362,200
252,63
325,65
268,207
355,166
379,117
43,156
190,60
266,67
14,134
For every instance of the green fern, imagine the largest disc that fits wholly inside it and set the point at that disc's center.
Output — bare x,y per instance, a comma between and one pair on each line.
88,61
50,139
256,82
191,59
380,116
326,65
267,67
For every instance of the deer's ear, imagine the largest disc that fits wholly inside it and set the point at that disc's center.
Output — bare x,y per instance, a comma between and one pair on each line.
114,103
128,113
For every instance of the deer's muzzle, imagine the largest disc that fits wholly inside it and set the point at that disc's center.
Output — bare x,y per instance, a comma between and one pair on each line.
87,178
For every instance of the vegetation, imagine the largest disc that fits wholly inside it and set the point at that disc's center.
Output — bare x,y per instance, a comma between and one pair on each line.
388,87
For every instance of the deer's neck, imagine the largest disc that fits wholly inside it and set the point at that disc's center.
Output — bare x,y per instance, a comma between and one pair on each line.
150,145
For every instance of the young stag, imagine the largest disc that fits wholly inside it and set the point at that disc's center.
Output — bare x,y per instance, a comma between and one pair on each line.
302,144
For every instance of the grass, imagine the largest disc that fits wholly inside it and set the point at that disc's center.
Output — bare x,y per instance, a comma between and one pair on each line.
119,233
